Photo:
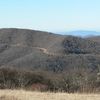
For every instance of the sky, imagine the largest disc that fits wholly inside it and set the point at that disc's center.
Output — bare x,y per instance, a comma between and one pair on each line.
50,15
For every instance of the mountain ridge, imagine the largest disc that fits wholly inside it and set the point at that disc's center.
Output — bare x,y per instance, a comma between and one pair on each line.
81,33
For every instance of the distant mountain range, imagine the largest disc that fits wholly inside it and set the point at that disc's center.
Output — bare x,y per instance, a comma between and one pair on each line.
81,33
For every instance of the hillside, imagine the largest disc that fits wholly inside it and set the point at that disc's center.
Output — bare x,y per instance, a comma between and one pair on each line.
29,48
94,38
17,45
37,51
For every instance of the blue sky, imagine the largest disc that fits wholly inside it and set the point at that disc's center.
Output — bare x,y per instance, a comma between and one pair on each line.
50,15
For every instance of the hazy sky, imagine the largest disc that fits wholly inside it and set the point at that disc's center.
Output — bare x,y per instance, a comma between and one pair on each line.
51,15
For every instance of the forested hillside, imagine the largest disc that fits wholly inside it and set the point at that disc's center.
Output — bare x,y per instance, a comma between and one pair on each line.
54,62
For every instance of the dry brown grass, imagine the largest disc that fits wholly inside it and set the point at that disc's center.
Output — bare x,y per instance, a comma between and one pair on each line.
28,95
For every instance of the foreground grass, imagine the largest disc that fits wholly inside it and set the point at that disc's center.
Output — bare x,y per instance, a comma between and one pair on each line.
28,95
